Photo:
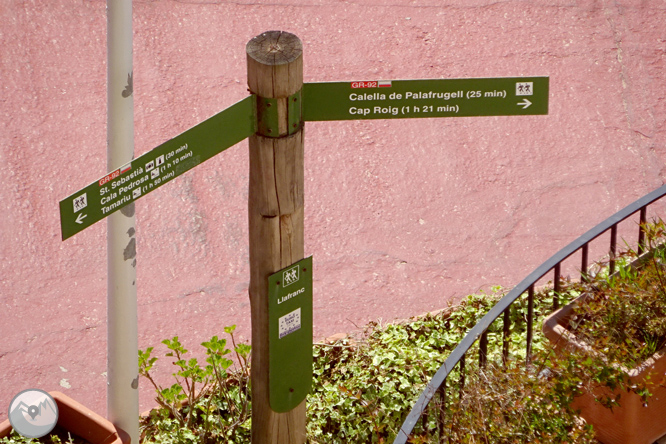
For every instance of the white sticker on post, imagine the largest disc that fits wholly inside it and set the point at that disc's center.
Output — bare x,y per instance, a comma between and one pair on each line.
290,322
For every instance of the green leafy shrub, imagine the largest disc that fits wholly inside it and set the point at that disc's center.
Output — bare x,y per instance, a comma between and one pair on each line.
57,436
364,387
208,404
363,390
512,404
621,320
624,316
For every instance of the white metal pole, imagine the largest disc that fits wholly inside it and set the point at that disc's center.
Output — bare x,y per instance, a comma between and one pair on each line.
122,342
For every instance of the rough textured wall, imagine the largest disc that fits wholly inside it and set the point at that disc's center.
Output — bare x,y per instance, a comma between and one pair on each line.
402,216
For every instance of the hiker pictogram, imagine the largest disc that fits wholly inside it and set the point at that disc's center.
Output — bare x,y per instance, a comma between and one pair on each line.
524,88
290,276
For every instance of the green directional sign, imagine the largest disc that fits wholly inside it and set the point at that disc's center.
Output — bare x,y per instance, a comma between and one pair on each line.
398,99
157,167
290,335
389,99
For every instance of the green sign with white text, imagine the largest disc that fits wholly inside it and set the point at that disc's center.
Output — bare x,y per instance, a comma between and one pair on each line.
157,167
290,335
388,99
398,99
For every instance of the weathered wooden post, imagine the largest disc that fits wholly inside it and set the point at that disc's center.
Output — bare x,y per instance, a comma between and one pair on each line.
275,209
280,277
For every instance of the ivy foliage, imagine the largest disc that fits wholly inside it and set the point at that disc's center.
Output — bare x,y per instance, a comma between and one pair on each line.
364,389
365,386
624,315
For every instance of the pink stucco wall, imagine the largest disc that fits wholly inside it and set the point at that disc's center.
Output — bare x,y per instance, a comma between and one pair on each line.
402,216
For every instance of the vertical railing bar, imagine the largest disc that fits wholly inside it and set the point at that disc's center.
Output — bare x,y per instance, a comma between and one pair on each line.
613,246
584,262
556,287
530,322
424,420
462,376
442,411
441,391
506,332
483,349
641,231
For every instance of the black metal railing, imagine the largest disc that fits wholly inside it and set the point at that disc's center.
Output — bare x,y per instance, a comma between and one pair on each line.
437,384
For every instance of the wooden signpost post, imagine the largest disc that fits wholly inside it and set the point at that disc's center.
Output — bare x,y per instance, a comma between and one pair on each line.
272,117
275,210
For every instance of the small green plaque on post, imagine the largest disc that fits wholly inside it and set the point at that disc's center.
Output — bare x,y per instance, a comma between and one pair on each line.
290,335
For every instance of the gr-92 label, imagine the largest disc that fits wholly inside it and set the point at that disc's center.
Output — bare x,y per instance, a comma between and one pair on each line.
371,84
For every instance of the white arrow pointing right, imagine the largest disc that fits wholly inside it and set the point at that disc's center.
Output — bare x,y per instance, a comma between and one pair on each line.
526,103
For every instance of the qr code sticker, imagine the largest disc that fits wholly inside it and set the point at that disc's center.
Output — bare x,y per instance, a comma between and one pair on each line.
290,322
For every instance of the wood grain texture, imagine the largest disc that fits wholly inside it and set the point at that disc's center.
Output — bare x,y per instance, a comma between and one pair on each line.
275,212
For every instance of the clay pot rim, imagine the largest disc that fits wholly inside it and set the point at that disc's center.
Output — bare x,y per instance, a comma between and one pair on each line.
84,416
561,336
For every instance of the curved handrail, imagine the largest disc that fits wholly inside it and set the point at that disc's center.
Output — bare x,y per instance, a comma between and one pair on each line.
457,354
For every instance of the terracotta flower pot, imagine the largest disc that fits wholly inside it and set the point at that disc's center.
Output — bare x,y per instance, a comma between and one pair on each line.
80,421
631,422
